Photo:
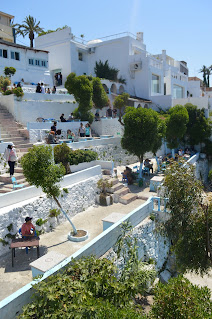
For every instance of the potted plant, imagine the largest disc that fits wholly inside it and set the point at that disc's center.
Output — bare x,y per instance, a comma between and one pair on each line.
39,224
104,198
53,217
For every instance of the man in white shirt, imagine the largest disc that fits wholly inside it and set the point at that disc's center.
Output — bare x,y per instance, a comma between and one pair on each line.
42,88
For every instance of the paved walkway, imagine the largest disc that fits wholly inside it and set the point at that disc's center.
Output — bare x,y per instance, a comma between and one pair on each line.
11,279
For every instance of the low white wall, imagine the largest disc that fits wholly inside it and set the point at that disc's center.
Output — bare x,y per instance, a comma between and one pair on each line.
12,305
81,166
25,111
54,97
162,101
200,102
108,126
30,192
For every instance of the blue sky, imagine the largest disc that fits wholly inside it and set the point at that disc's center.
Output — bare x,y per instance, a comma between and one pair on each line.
183,28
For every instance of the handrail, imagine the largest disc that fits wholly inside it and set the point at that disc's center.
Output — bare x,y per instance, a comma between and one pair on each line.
159,203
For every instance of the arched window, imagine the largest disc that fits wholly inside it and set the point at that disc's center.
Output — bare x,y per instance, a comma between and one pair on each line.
146,106
139,105
121,89
105,88
113,88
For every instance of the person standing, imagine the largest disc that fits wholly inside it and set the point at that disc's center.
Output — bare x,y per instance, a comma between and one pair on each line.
81,130
87,130
11,157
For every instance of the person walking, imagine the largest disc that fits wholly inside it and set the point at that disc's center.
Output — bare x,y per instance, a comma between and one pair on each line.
87,130
11,157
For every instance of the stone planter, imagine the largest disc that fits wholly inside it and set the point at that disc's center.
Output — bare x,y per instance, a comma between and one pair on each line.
105,200
52,222
82,235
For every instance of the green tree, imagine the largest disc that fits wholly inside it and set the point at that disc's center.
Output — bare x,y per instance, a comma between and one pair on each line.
181,299
30,27
190,222
198,127
94,288
82,89
39,170
120,103
141,128
50,31
208,73
100,98
104,71
4,83
176,126
61,155
9,71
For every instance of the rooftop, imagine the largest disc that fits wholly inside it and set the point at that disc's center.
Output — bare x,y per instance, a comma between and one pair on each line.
20,46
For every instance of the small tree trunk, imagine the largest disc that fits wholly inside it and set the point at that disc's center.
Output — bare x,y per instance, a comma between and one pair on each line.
66,216
141,166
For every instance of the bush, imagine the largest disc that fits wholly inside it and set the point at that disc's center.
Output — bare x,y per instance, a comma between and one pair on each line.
210,175
18,92
40,221
4,83
8,92
181,299
88,288
81,156
54,212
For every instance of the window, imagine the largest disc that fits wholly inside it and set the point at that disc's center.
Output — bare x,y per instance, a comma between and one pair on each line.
5,54
80,57
31,61
0,52
17,56
37,62
12,55
177,92
155,83
44,63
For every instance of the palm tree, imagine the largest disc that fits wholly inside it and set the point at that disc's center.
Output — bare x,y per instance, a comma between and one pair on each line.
29,27
204,71
208,72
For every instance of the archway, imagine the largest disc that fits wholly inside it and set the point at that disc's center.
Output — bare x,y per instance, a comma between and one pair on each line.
146,106
139,105
121,89
113,88
105,88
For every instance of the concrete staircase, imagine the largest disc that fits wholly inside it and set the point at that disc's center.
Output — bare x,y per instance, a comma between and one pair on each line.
11,131
121,192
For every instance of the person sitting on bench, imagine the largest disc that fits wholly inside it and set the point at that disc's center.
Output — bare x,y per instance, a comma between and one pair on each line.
148,164
28,229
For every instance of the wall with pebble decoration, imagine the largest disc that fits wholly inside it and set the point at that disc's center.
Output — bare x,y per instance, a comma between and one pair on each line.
80,196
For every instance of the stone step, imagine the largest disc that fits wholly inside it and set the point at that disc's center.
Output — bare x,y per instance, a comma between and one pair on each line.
10,186
15,139
113,181
23,144
115,188
128,198
7,179
119,193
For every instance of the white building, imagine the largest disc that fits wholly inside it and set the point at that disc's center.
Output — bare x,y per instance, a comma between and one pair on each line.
31,65
6,30
158,78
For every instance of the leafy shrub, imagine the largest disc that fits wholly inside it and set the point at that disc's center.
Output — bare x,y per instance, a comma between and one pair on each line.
65,190
8,71
81,156
4,83
88,288
181,299
40,221
8,92
18,92
54,212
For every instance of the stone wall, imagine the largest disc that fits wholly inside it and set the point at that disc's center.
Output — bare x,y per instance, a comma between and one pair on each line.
150,245
80,197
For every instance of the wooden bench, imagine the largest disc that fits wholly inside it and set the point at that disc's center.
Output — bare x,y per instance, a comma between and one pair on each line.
22,242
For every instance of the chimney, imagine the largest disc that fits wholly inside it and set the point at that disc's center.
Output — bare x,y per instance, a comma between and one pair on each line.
139,36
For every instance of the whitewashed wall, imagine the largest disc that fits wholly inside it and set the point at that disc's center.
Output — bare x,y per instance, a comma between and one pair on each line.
81,196
25,111
200,102
108,126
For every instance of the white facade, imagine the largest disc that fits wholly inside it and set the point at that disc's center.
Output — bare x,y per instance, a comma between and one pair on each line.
31,65
158,78
6,30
